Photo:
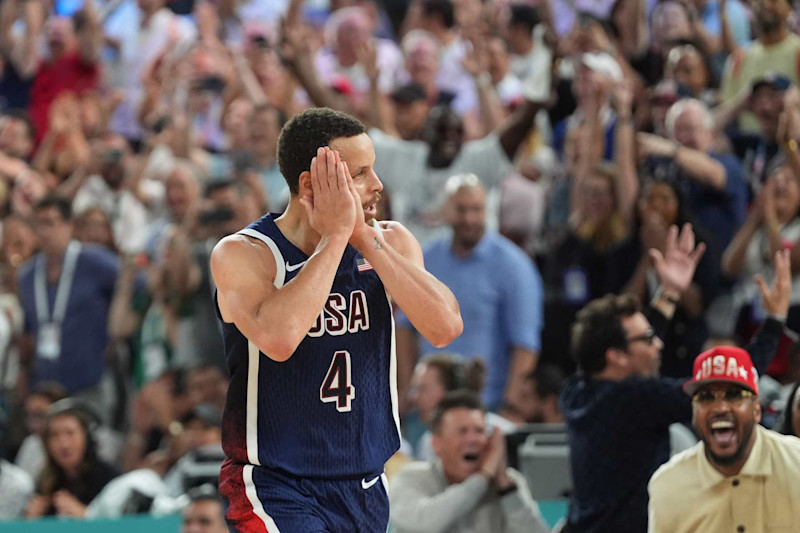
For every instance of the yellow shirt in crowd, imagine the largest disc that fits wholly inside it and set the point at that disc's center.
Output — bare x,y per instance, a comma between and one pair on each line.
746,65
687,494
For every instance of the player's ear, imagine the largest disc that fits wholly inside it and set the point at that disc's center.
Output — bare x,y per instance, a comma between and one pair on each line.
304,184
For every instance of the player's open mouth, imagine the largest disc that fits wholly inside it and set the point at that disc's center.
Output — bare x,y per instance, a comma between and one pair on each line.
723,433
371,210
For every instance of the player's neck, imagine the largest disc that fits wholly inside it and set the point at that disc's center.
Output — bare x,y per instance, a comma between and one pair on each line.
294,225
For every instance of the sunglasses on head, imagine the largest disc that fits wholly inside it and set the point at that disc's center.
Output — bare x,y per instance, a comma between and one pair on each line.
732,395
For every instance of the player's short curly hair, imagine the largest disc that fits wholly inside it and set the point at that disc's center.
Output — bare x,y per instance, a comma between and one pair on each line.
305,133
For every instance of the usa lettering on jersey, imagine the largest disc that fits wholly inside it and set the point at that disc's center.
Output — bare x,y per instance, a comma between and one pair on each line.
342,314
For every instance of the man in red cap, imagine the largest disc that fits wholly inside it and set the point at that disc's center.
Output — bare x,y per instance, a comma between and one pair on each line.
741,477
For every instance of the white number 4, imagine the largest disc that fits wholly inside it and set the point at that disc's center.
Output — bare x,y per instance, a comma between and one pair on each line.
337,385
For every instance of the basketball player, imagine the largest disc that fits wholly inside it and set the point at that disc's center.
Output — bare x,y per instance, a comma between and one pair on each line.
305,301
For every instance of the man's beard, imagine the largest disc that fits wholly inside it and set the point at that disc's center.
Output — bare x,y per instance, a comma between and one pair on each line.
740,451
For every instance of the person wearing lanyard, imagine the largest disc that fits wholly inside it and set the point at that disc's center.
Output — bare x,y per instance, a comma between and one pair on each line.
65,291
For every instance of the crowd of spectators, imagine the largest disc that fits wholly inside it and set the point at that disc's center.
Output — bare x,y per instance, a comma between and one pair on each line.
544,153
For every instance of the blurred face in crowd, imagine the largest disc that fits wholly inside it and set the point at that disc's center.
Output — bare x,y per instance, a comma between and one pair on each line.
15,137
66,442
467,216
236,122
643,356
182,192
114,155
409,118
468,13
359,154
265,130
584,84
352,32
766,103
771,15
53,231
461,442
786,194
207,385
93,226
599,193
661,199
498,59
204,516
692,129
60,35
688,68
671,22
19,241
36,406
444,133
422,61
427,389
150,6
726,426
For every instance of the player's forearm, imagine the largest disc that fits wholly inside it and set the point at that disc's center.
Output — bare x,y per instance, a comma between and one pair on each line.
283,321
426,301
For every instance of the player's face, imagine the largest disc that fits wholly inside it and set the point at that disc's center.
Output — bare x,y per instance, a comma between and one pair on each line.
204,516
359,155
726,427
461,443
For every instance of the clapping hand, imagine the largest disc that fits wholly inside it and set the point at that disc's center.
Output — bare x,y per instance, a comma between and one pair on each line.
775,299
675,268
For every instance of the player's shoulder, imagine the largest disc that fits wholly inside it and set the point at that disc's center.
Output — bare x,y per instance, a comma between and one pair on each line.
237,251
396,234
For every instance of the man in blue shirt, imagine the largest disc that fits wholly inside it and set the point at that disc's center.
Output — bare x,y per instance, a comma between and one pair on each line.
65,291
499,291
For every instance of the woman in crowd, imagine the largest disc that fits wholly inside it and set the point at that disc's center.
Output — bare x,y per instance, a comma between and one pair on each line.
772,225
73,474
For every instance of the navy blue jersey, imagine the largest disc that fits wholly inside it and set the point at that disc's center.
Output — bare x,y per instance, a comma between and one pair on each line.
330,410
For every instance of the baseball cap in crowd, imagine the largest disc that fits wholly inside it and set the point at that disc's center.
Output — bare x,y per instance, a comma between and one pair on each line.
773,79
410,92
602,63
723,364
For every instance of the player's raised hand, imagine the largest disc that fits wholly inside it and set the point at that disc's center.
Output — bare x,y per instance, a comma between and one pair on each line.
330,208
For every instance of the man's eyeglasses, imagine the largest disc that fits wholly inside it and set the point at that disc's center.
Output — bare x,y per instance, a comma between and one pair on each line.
647,337
734,396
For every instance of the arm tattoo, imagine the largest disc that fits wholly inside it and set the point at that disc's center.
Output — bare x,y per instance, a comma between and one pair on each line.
378,245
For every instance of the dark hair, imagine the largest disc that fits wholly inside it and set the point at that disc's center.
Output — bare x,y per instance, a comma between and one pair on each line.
456,373
443,8
24,117
307,131
55,201
454,400
524,15
52,390
786,426
548,379
598,327
205,492
53,476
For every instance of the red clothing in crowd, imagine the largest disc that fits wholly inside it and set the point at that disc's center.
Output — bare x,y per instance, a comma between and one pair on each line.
69,73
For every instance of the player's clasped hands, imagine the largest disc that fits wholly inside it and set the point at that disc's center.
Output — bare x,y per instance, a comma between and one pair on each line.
331,209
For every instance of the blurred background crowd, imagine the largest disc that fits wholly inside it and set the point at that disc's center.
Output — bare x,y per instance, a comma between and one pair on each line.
538,149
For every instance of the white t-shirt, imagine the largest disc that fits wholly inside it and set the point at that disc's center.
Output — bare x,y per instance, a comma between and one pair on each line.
417,191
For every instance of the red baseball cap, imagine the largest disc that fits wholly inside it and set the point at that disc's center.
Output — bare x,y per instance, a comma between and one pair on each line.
723,364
